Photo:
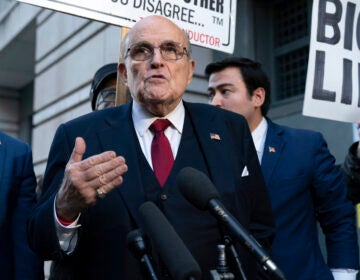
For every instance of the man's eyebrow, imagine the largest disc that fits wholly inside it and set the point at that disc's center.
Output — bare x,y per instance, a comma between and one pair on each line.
222,85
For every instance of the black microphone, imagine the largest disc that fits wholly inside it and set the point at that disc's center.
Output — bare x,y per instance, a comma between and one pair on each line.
137,244
173,252
197,188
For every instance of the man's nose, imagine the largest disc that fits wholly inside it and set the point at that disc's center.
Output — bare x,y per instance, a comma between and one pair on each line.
216,100
156,59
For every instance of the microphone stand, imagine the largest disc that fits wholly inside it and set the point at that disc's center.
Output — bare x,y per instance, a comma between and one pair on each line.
222,272
230,245
136,242
147,263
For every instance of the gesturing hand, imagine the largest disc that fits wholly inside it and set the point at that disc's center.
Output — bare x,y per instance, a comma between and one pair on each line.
87,180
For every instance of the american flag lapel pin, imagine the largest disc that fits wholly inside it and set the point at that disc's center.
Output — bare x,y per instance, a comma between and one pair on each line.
215,136
272,149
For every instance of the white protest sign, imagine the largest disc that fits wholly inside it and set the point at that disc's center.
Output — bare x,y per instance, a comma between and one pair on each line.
210,23
333,77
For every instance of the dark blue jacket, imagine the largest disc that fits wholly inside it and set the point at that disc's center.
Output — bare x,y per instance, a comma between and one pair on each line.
17,199
306,187
101,252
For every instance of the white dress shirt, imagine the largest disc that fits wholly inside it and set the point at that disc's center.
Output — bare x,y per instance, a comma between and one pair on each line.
259,136
142,121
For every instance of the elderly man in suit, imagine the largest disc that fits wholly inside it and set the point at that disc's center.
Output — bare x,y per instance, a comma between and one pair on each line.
304,184
102,167
17,198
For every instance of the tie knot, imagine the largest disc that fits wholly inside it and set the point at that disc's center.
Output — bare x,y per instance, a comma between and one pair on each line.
159,125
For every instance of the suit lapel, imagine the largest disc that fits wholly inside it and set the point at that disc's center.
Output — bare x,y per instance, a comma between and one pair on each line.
212,137
272,150
120,136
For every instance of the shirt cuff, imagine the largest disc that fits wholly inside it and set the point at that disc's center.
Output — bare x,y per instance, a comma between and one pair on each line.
67,235
344,274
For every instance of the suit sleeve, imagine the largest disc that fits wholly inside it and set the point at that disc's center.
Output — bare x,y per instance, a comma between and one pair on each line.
41,227
335,212
27,264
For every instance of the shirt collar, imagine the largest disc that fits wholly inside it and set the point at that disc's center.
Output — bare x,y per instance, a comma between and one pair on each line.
143,119
259,134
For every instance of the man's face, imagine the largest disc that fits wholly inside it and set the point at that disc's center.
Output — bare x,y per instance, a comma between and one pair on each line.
227,90
107,95
156,83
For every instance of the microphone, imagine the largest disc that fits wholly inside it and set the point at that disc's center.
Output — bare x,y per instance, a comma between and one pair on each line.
136,243
197,188
173,252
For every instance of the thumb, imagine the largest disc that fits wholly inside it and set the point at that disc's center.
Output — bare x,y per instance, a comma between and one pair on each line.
78,151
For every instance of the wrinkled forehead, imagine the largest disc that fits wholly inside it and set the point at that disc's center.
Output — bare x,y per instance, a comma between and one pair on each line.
155,30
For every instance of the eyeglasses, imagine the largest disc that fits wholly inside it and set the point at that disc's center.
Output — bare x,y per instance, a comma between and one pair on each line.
169,51
106,98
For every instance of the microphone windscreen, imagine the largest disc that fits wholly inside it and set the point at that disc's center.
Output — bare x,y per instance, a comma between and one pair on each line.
196,187
177,258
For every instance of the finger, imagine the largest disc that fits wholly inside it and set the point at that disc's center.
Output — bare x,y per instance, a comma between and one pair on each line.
111,178
94,165
97,165
108,166
78,151
101,192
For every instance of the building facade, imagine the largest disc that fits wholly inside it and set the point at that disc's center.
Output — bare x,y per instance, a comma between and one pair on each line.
47,61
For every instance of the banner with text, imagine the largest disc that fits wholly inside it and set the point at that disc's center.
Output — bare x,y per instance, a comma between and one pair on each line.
210,24
333,77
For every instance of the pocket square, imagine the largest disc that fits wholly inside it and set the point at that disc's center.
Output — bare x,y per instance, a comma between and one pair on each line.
215,136
245,172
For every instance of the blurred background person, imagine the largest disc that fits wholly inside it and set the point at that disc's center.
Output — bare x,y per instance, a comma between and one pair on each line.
103,87
17,199
304,184
351,170
39,187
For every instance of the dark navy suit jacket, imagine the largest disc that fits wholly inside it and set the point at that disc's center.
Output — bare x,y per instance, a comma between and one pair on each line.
101,252
305,187
17,198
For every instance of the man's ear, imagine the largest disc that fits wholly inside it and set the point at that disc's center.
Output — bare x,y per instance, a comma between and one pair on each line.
259,96
122,72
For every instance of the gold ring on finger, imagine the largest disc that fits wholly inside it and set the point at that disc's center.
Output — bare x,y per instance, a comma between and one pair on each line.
100,193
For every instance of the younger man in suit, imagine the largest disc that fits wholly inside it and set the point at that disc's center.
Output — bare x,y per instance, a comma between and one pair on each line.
17,199
304,184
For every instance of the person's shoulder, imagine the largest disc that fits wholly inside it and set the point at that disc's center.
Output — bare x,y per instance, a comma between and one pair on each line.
8,139
294,132
98,117
202,108
13,146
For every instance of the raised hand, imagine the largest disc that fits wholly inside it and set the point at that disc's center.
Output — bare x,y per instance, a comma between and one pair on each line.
85,181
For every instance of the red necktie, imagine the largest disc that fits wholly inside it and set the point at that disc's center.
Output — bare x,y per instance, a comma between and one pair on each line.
161,154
